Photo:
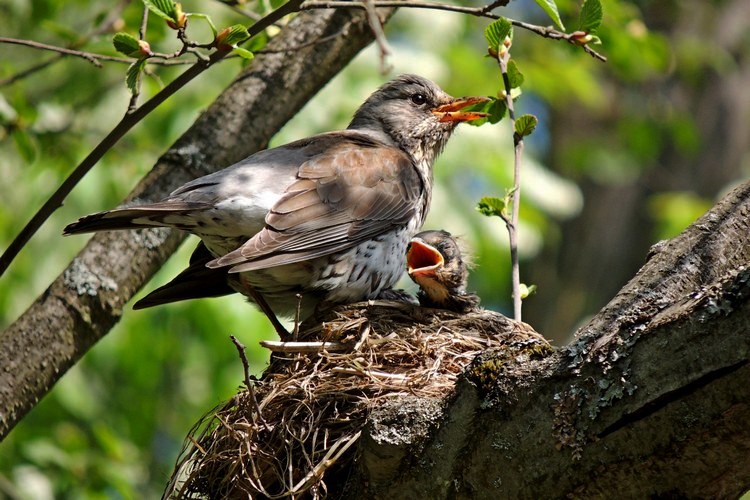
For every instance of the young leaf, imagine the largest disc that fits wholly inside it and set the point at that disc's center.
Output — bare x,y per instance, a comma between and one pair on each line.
550,7
166,9
514,75
232,36
590,17
491,205
243,53
134,74
126,44
495,109
525,125
526,290
496,32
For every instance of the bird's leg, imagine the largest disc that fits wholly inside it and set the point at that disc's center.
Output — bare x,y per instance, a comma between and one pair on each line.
258,298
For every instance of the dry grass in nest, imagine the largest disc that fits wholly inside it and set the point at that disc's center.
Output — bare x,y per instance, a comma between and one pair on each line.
281,435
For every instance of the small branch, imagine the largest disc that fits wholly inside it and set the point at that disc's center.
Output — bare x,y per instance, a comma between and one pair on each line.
243,357
92,58
503,59
377,30
544,31
250,386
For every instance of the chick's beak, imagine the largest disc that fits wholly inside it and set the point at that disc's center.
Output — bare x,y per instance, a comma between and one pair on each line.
451,112
422,259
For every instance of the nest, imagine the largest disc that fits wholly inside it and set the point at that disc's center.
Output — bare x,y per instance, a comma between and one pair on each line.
283,435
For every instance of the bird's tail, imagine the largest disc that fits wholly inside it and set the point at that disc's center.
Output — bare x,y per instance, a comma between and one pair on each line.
153,215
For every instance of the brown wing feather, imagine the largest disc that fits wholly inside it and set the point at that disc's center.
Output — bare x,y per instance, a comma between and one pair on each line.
342,197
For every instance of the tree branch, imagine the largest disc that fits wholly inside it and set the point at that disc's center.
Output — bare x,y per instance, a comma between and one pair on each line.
544,31
650,399
87,299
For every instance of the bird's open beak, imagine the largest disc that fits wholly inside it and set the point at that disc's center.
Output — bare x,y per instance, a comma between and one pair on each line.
422,259
451,112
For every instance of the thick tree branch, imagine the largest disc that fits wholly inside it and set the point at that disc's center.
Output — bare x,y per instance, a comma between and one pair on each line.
87,299
650,399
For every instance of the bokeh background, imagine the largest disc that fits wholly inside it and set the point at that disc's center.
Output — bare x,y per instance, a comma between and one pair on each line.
627,153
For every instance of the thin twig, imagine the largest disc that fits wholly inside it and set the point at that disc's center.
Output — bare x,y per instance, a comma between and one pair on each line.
503,58
61,50
249,385
243,357
297,314
158,58
127,122
544,31
377,30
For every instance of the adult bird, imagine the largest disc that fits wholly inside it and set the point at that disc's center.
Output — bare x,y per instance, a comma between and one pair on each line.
434,261
327,217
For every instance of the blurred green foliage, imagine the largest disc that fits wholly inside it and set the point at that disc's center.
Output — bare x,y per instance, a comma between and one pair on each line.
114,424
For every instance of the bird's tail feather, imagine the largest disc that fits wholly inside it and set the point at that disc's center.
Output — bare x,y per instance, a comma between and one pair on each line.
152,215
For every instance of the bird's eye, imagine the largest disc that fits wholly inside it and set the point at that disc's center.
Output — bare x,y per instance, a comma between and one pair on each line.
418,99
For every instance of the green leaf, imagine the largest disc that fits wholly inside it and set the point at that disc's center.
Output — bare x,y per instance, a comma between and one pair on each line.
126,44
166,9
134,74
496,32
550,7
243,53
525,125
236,34
526,290
495,109
491,205
591,16
514,75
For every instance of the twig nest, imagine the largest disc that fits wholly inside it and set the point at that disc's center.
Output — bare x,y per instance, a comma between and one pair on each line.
297,425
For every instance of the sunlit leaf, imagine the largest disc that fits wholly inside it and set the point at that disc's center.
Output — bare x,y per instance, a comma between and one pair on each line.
126,44
496,32
495,109
243,53
166,9
525,125
591,16
233,35
492,205
550,7
526,290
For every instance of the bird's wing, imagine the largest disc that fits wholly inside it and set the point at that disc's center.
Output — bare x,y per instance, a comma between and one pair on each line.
354,189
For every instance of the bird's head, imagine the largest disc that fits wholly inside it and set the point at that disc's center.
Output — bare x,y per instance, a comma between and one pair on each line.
416,114
435,263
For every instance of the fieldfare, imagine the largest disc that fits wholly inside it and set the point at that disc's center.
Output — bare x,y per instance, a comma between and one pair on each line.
328,217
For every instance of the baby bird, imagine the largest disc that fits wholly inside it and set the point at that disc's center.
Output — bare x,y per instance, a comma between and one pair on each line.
434,262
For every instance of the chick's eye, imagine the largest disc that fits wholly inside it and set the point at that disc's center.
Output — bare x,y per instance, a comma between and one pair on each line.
418,99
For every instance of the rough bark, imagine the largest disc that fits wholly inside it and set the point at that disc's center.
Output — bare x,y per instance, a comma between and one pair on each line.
649,400
83,304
